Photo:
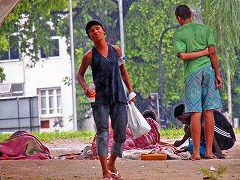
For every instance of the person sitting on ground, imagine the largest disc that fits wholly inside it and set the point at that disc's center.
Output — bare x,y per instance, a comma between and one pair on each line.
224,137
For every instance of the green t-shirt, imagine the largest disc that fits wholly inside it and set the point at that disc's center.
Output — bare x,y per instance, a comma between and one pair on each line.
192,37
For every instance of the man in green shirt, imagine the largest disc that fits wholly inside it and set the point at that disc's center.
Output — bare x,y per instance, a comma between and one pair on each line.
194,44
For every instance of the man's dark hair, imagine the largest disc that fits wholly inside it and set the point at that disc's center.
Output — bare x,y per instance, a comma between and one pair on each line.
179,110
183,11
149,114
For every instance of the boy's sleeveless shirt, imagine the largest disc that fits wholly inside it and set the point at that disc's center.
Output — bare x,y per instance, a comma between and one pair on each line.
107,78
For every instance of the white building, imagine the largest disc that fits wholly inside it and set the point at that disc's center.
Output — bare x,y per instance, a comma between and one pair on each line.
44,81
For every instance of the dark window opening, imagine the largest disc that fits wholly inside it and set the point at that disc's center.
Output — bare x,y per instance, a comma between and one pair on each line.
52,51
11,54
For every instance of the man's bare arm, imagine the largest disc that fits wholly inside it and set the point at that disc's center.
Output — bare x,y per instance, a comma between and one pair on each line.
214,60
193,55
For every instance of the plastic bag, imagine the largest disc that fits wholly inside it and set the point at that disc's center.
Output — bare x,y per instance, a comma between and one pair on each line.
136,122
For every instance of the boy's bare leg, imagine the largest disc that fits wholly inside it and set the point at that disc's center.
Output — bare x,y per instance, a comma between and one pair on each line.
104,164
196,133
112,167
209,132
111,163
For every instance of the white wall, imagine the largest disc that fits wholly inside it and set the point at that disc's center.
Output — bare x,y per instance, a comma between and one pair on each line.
47,73
14,71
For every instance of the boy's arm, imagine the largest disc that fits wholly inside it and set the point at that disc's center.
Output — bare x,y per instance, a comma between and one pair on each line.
193,55
124,74
185,137
217,149
214,60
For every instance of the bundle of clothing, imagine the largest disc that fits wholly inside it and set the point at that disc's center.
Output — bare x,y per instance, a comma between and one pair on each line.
23,145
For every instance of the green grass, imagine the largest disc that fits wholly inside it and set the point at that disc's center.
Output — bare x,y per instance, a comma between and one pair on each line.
214,175
176,132
237,130
87,136
4,137
171,133
82,135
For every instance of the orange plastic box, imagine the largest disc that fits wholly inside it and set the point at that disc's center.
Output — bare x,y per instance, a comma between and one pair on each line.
161,156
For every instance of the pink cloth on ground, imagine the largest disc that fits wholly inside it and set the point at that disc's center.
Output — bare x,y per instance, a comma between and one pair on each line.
23,145
150,138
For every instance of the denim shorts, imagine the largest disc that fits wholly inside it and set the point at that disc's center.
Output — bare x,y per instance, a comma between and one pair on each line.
201,92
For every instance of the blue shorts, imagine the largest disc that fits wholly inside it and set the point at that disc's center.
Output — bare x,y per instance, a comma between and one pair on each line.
202,148
201,92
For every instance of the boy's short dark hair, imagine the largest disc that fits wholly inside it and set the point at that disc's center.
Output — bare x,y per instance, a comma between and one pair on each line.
183,11
179,110
92,23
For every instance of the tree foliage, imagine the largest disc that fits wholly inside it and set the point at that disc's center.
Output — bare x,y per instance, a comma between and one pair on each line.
227,33
29,24
226,28
143,32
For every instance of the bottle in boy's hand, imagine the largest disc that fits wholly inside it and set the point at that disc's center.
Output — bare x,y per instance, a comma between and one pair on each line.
92,92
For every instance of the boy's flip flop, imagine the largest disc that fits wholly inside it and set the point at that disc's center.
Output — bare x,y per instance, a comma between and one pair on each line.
116,175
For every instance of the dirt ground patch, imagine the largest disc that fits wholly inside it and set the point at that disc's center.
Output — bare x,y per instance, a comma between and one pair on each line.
130,169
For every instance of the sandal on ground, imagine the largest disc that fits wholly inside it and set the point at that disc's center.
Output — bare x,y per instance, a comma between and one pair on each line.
116,175
107,179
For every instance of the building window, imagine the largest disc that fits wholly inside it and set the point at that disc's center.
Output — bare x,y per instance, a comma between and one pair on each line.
12,54
52,50
50,100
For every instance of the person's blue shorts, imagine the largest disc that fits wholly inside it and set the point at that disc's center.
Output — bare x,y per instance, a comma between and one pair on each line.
202,148
201,92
